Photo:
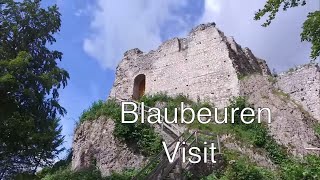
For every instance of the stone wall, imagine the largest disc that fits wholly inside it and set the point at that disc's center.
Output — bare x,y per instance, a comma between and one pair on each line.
303,86
206,65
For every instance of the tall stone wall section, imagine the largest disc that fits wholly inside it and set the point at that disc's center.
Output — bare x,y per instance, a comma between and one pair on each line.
303,86
204,65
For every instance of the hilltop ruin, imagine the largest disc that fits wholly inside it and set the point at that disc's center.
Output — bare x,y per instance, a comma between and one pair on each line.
208,66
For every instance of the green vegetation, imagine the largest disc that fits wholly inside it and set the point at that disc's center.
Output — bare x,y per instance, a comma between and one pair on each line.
311,26
284,96
309,168
30,79
58,166
148,142
242,77
242,170
317,129
88,174
61,171
272,79
238,166
256,135
171,103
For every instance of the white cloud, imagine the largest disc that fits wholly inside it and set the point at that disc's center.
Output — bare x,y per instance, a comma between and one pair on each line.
120,25
279,43
211,9
117,26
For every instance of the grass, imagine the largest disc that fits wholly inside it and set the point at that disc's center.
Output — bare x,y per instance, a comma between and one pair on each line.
272,79
284,96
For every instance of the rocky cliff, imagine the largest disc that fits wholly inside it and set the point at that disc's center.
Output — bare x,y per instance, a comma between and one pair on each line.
94,144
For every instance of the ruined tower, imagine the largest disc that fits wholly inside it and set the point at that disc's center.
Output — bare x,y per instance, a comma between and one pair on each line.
205,65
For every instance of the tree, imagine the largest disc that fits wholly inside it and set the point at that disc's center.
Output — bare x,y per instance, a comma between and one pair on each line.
30,134
311,27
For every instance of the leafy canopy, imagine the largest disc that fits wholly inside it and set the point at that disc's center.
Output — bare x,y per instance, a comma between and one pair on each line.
30,134
311,27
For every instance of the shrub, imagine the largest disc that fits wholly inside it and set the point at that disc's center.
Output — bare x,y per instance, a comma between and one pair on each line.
309,169
88,174
62,164
242,170
100,108
67,174
126,175
317,129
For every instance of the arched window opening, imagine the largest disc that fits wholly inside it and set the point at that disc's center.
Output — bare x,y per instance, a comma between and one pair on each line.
139,86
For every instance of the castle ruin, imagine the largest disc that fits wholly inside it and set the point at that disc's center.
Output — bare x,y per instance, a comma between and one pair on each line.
209,66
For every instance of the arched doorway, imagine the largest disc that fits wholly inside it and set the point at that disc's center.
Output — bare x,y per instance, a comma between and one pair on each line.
139,86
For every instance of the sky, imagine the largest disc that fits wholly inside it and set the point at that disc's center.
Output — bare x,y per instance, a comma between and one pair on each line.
95,34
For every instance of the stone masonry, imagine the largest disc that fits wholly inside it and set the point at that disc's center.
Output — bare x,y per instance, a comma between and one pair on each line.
303,85
206,65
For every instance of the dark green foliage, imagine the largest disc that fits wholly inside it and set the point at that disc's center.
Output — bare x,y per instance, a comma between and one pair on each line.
60,165
311,31
272,7
317,129
309,169
239,167
126,175
61,170
147,141
67,174
241,170
88,174
30,134
311,27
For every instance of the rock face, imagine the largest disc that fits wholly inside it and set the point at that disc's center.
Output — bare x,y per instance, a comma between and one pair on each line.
94,144
290,125
204,65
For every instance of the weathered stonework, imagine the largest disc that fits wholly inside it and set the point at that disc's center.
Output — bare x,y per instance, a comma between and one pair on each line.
303,85
94,143
204,65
